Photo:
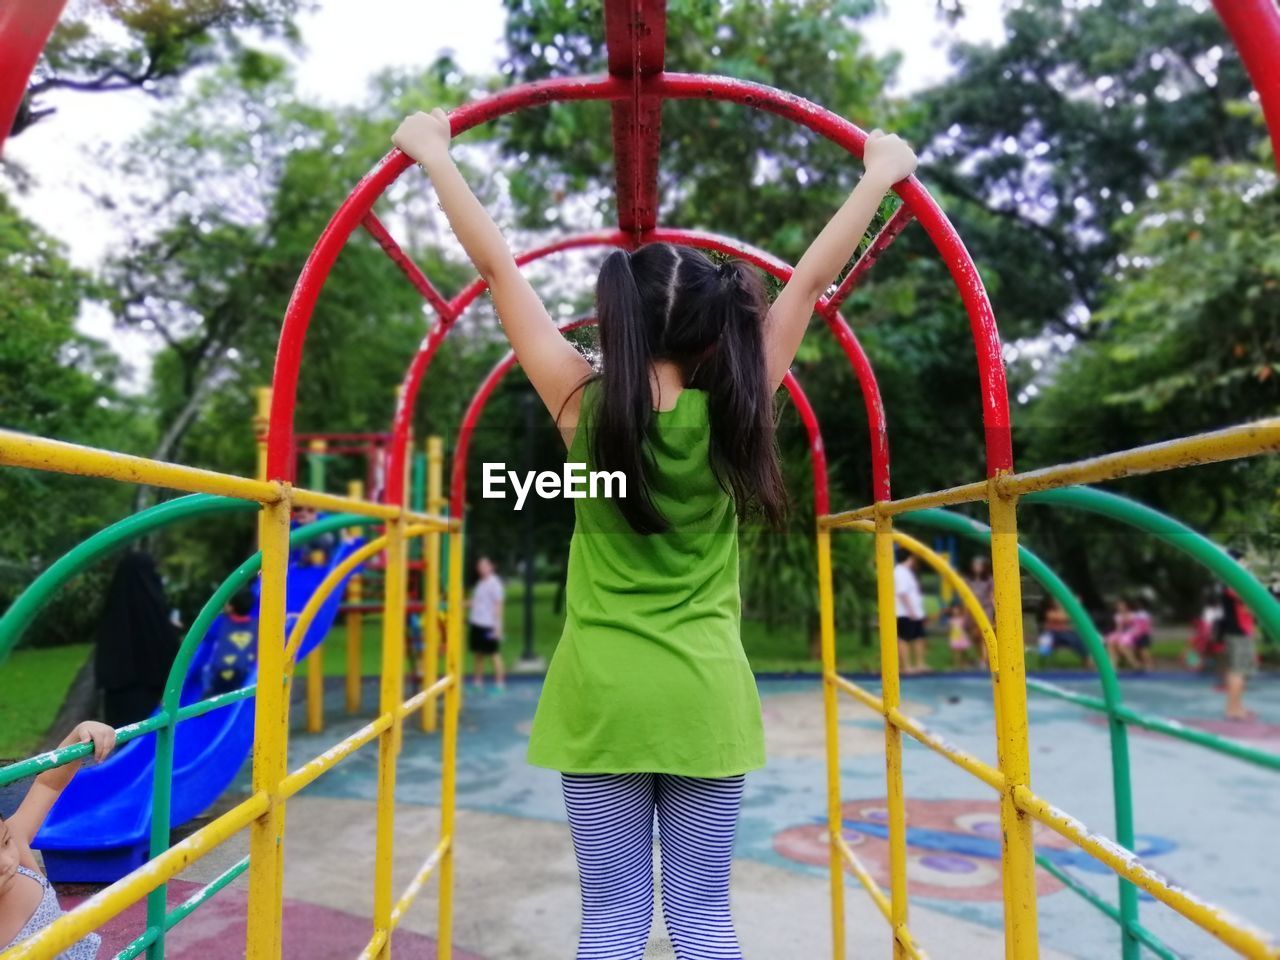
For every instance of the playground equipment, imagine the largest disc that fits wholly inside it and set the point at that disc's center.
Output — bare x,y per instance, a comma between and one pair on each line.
636,85
100,827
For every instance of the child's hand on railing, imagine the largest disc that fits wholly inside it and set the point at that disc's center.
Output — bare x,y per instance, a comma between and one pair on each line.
888,158
424,136
100,735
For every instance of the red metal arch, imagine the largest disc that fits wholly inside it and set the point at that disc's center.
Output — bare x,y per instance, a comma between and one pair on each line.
359,203
480,400
827,308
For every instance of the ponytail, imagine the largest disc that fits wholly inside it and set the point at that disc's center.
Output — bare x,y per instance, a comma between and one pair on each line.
744,450
623,419
664,302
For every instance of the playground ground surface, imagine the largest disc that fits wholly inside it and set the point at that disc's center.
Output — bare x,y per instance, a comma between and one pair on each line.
1205,820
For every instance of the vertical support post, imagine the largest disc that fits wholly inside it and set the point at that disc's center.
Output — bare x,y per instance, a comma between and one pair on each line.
417,546
355,624
161,796
1018,850
261,417
892,697
270,740
1122,790
435,505
830,708
449,748
315,660
392,692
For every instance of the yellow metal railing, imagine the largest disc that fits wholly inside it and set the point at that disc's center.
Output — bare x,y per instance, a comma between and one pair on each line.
1020,807
263,813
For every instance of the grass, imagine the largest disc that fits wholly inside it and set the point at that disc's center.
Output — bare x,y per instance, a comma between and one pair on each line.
781,649
33,684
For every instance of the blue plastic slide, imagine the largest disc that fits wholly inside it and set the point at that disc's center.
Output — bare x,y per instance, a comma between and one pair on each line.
100,828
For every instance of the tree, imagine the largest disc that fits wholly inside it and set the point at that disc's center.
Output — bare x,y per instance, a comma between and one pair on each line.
1190,324
1047,140
54,382
146,45
221,224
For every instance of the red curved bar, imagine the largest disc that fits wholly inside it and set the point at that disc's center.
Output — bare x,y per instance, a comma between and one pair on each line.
347,218
1254,26
480,400
413,273
883,240
995,405
982,322
876,421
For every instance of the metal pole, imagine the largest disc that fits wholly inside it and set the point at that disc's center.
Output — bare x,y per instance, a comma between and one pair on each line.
449,747
436,504
270,742
1018,855
315,660
890,694
830,708
392,690
355,625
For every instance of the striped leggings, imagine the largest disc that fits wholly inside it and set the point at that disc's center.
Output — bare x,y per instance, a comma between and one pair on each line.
611,819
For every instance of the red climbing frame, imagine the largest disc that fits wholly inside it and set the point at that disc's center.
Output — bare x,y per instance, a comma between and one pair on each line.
636,85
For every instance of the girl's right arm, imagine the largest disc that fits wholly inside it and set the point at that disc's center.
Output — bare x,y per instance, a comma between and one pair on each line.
551,363
888,159
30,815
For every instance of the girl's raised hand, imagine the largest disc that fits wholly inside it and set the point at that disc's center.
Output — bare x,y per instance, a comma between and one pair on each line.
423,135
888,158
100,735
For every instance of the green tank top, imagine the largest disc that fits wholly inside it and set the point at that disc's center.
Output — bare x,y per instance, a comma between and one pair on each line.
649,674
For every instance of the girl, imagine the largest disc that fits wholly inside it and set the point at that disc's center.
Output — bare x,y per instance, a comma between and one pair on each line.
983,588
27,901
958,637
649,703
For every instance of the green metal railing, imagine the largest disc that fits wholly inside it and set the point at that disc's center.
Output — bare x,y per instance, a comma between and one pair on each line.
169,714
1111,704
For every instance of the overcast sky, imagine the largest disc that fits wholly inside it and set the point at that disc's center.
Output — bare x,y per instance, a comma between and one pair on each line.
346,42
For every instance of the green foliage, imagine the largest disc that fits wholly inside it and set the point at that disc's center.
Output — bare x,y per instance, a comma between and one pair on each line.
54,382
1047,140
1190,333
148,44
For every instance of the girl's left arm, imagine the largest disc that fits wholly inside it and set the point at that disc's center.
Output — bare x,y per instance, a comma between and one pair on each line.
888,160
30,816
554,367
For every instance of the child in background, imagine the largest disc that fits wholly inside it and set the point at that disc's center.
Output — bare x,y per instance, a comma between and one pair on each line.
1119,646
958,637
486,624
1058,633
1130,640
1140,634
1203,647
235,646
28,903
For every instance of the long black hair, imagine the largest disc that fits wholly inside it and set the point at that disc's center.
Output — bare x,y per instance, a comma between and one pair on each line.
672,303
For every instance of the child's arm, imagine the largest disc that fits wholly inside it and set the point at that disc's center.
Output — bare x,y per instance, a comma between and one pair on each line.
552,364
888,159
30,816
